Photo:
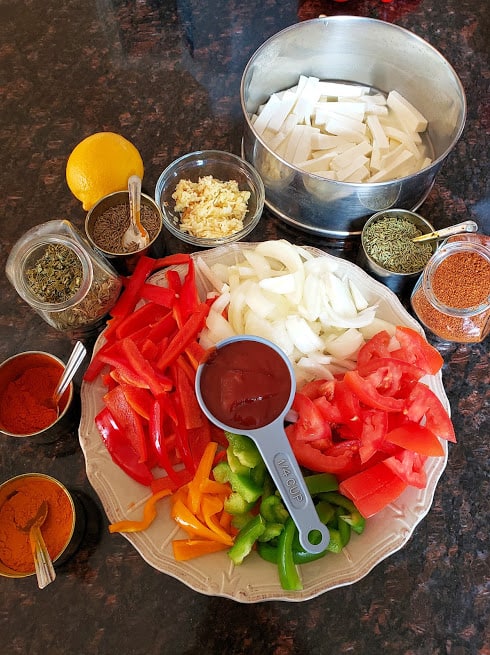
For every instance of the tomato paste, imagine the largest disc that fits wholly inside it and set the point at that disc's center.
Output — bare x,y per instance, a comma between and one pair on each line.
245,384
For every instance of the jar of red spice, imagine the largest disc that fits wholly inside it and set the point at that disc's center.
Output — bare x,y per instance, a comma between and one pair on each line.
452,296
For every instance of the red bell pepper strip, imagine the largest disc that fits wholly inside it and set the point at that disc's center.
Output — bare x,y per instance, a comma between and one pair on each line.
184,336
140,399
120,448
193,415
156,429
127,420
188,296
147,314
143,368
131,294
171,260
162,296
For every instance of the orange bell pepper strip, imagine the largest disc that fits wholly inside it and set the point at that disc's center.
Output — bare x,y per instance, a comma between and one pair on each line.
194,527
186,549
149,515
211,507
196,485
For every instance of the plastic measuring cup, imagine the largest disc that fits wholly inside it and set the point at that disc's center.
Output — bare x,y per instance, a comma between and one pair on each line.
246,385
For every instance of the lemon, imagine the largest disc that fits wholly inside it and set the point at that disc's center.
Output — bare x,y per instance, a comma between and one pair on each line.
101,164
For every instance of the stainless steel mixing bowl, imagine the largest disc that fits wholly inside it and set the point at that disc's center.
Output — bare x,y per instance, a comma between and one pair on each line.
358,50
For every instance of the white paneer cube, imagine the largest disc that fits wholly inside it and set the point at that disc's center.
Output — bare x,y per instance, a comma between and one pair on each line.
407,113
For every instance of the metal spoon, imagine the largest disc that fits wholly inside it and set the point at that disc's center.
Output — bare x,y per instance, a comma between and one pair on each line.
77,355
42,561
459,228
136,233
273,445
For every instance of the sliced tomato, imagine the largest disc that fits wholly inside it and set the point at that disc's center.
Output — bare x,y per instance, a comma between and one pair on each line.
414,348
374,427
373,489
416,437
392,377
339,462
310,424
368,394
409,467
377,347
423,402
318,388
329,410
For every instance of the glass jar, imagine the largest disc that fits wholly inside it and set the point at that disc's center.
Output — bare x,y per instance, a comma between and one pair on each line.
452,296
54,269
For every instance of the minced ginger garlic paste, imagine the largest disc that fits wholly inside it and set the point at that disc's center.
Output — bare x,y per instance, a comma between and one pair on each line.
210,208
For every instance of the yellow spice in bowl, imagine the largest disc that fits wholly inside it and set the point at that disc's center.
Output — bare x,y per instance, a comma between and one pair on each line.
210,208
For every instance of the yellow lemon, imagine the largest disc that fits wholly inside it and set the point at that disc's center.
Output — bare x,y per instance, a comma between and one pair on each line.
101,164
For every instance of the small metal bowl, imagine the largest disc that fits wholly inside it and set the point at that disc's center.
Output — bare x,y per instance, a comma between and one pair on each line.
8,491
397,282
10,371
223,166
123,262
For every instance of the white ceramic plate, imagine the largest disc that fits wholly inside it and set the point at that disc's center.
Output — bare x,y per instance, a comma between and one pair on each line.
256,580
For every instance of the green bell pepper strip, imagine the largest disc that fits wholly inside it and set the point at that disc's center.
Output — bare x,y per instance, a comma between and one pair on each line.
288,573
321,482
269,552
244,449
273,510
246,538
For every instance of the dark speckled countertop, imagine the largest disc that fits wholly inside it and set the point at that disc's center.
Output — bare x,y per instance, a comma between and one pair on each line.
166,74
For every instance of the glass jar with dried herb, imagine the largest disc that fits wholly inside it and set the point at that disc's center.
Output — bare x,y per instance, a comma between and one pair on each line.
55,270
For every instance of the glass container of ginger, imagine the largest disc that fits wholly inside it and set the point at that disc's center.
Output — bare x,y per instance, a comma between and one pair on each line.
452,296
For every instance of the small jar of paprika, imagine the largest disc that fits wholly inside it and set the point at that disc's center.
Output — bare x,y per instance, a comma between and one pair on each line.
452,296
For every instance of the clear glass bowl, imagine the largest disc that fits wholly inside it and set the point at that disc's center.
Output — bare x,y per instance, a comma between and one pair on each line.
222,166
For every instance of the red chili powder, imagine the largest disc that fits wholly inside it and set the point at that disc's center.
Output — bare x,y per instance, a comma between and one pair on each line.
24,404
462,280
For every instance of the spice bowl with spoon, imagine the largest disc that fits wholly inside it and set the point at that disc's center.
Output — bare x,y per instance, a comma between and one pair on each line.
108,223
388,251
35,508
28,381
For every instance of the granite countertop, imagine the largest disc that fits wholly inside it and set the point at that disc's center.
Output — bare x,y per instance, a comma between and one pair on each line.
166,74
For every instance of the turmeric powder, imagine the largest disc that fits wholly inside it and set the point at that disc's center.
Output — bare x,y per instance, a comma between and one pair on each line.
18,505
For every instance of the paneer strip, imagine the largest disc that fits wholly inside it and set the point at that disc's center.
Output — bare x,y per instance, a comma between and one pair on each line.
407,113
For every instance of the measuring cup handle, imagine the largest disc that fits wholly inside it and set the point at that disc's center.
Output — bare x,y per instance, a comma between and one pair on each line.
286,474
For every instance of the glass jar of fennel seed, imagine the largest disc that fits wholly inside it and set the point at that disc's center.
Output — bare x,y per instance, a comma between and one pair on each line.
54,269
387,251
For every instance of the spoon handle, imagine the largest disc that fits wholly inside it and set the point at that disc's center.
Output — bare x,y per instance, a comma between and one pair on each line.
279,458
465,226
74,361
42,561
134,190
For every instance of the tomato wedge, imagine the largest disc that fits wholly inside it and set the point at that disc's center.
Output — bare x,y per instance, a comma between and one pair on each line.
423,402
372,489
416,437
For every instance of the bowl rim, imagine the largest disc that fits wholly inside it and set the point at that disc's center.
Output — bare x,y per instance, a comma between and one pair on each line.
218,156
